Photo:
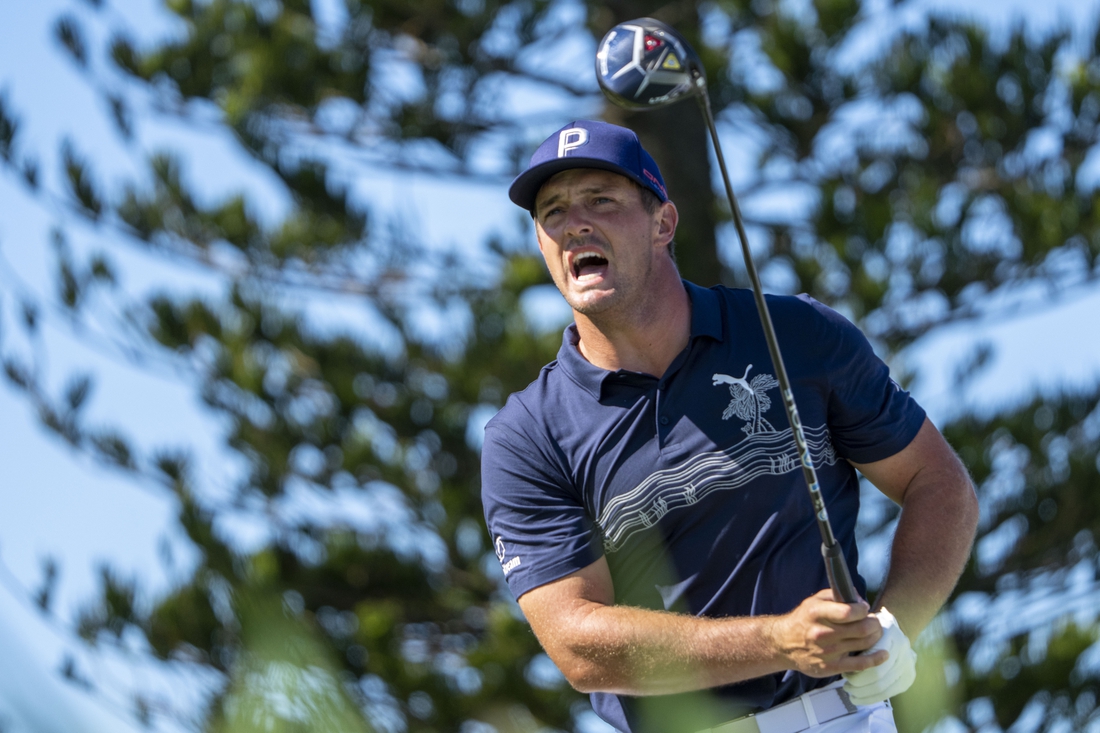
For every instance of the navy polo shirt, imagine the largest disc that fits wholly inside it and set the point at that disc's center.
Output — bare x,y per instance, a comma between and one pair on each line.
690,483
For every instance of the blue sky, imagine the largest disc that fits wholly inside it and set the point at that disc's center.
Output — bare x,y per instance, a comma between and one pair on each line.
56,503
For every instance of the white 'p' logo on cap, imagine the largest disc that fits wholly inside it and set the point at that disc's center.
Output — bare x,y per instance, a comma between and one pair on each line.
569,139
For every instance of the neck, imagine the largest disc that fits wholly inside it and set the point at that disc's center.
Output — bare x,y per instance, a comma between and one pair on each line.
643,338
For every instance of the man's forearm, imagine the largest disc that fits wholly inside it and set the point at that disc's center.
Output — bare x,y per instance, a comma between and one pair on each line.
935,531
602,647
636,651
934,536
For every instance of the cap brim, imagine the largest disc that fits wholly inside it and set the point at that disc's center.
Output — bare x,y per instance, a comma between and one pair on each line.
526,187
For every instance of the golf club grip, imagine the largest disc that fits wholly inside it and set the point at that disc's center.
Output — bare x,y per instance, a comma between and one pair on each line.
835,565
840,580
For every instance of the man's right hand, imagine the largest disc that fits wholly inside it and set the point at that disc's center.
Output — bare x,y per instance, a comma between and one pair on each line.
819,637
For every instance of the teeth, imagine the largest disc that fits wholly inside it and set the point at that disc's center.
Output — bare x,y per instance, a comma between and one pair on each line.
583,258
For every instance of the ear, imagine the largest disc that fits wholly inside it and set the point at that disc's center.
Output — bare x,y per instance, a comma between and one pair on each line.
665,222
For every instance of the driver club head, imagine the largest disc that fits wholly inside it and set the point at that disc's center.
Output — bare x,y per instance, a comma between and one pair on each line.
645,64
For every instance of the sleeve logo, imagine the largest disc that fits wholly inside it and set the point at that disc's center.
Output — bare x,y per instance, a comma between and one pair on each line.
510,565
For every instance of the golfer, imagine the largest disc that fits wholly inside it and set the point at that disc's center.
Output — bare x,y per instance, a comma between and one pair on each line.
644,493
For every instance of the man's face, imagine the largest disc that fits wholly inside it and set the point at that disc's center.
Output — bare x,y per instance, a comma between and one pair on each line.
598,241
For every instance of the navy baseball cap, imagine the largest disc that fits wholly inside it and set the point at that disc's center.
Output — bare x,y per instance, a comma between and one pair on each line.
587,144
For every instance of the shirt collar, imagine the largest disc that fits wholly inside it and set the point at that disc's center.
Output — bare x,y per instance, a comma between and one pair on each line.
706,312
706,321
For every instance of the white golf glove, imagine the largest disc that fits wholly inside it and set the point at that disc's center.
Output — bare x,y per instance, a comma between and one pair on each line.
892,677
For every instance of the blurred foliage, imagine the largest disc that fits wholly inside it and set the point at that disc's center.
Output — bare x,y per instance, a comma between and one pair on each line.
941,174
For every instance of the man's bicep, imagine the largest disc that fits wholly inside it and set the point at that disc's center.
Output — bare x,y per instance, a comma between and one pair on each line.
928,452
579,589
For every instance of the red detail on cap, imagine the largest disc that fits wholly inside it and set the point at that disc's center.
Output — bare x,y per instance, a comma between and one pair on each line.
653,179
652,42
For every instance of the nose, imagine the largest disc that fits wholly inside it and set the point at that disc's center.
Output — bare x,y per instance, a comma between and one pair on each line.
577,223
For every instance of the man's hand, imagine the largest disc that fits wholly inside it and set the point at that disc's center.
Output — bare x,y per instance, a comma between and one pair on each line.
819,637
889,679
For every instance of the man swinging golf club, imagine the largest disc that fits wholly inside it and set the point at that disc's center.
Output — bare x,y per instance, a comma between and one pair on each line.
647,495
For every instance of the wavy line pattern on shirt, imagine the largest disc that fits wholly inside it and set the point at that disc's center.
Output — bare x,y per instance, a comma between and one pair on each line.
766,453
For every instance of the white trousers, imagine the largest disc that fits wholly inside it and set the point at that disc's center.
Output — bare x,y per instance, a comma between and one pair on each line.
877,718
802,714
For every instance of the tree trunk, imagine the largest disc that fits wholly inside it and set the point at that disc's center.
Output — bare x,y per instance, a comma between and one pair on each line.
676,137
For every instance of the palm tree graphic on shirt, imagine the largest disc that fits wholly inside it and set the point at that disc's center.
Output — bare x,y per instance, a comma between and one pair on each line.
749,400
765,451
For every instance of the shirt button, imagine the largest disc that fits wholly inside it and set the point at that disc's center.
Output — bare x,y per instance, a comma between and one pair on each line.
664,420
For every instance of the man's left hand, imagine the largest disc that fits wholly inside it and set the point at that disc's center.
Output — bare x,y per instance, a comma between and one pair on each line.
892,677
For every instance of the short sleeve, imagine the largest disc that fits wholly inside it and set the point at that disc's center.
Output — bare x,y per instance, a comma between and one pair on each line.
870,416
538,523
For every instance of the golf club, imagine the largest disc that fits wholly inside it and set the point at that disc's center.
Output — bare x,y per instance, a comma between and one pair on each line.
645,64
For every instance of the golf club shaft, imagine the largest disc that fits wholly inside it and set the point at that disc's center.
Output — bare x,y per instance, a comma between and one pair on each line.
835,564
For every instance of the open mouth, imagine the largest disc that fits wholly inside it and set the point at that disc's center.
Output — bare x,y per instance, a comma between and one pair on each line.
588,264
